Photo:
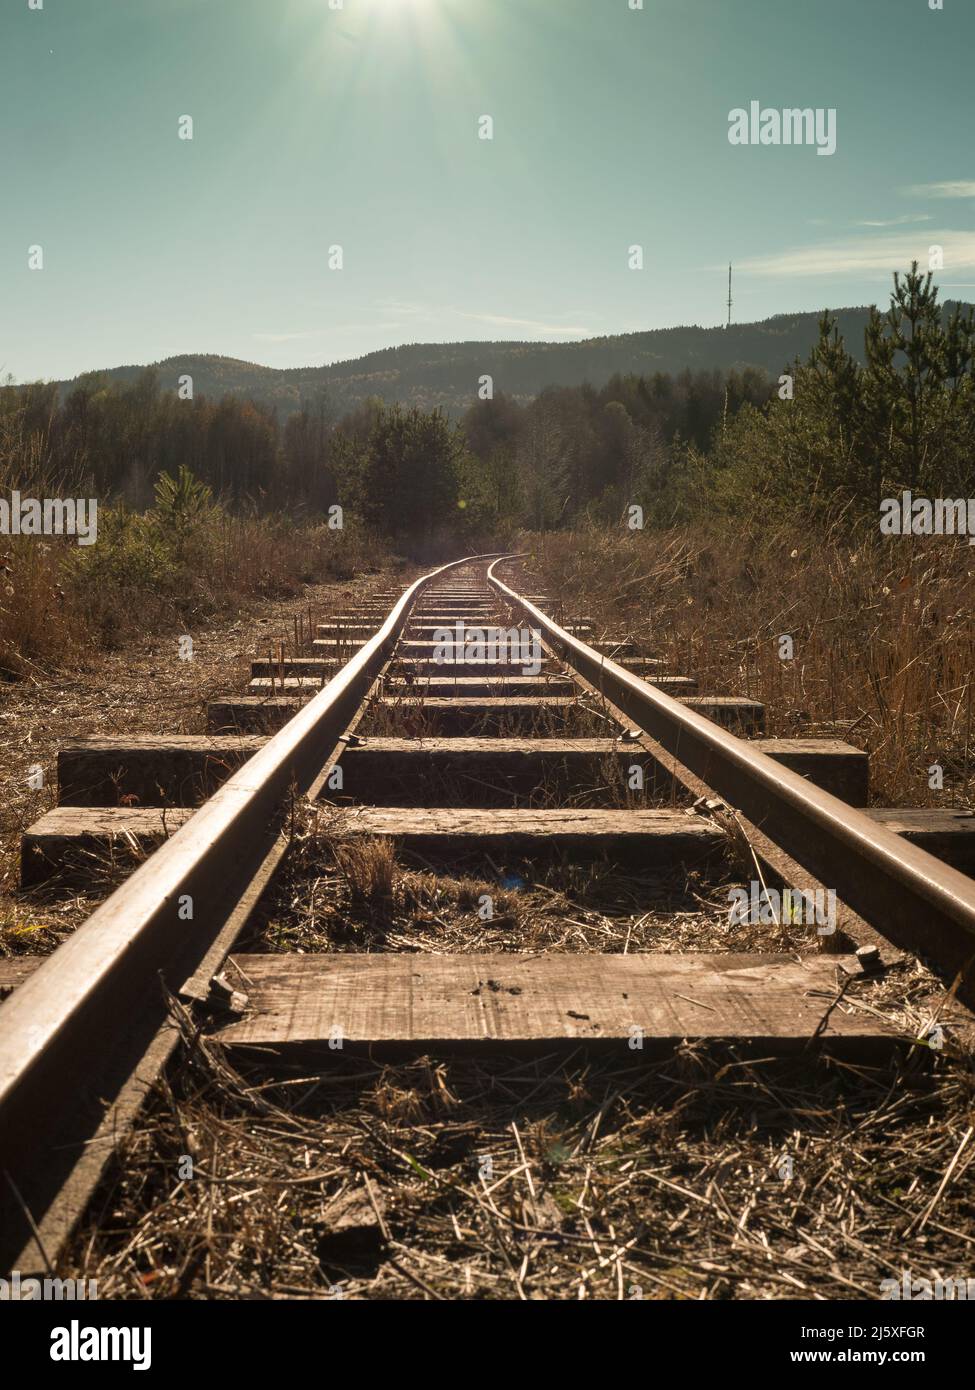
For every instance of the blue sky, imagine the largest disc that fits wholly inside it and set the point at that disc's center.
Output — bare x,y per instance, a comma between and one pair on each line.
357,126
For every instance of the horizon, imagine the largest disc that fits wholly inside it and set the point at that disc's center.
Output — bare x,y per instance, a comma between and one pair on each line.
456,342
466,342
361,127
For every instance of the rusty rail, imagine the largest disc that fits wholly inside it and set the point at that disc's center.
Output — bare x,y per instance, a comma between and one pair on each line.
915,900
72,1035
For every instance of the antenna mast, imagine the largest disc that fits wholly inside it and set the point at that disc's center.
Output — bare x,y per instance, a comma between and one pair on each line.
728,324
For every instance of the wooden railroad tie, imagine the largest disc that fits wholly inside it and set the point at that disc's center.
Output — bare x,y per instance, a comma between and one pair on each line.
181,769
72,837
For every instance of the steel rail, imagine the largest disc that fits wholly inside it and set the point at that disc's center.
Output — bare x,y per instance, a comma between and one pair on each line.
915,900
99,997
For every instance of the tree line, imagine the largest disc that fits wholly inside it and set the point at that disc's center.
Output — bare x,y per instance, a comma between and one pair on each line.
831,436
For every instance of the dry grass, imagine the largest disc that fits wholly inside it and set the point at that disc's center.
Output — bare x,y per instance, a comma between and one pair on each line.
142,688
369,869
542,1178
355,894
59,603
884,634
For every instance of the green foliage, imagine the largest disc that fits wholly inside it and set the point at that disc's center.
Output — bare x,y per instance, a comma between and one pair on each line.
403,476
181,502
130,570
918,382
852,434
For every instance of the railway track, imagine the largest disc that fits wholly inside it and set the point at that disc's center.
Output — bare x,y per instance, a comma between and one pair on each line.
462,723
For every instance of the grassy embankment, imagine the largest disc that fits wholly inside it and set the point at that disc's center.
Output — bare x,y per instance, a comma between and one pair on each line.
884,640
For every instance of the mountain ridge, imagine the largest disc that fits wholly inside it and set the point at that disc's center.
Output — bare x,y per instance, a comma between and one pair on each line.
447,374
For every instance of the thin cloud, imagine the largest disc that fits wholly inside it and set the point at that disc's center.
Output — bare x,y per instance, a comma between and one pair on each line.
533,325
953,188
406,308
898,221
288,337
429,313
865,255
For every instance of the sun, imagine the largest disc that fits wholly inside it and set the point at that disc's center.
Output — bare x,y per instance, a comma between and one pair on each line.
378,10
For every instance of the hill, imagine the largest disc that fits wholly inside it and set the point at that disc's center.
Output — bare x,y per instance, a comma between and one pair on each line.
446,374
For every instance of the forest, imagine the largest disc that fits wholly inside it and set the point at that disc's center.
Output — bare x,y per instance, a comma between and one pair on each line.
831,436
428,375
201,498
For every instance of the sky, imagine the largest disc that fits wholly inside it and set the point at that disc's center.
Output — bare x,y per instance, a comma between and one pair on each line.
318,124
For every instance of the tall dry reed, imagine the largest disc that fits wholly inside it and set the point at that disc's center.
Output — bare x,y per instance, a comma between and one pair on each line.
882,630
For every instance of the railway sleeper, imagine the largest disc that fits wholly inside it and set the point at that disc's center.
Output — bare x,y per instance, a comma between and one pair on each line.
734,712
73,841
182,769
487,716
299,1004
493,771
150,769
467,636
444,685
70,840
462,705
467,714
512,714
418,629
253,714
545,684
319,666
